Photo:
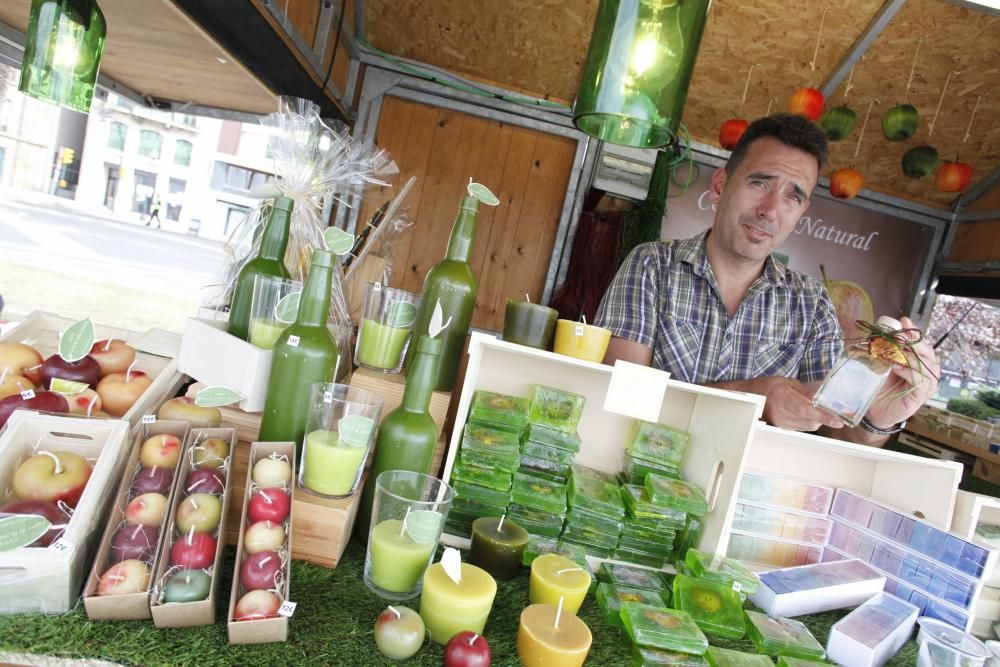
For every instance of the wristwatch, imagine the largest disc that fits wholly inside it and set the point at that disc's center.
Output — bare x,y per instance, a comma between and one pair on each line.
871,428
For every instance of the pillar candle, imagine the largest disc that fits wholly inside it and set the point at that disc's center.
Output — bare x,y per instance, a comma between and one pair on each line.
553,577
540,643
530,324
380,345
496,547
583,341
397,560
331,466
264,332
448,608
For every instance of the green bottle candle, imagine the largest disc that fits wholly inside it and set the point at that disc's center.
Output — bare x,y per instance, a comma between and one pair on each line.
305,353
270,261
452,283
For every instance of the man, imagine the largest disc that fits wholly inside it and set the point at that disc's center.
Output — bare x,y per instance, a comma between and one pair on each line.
154,211
719,310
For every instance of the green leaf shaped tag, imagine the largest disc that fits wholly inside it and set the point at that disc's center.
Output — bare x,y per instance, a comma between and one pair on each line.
400,314
20,530
356,429
423,525
287,309
216,397
77,340
338,241
483,194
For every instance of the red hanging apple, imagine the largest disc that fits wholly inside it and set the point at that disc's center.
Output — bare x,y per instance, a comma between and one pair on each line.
953,176
845,183
806,102
731,131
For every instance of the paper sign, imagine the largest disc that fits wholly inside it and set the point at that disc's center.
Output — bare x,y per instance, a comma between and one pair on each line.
293,341
338,241
287,309
451,561
737,586
578,330
28,394
76,341
216,397
287,608
636,391
20,530
149,419
423,526
356,429
62,546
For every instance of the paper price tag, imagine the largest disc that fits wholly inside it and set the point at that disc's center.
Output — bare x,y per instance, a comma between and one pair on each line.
149,419
293,341
328,397
28,394
287,608
578,330
738,587
62,546
376,287
636,391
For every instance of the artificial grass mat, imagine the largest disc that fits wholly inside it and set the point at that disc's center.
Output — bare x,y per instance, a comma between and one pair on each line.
333,625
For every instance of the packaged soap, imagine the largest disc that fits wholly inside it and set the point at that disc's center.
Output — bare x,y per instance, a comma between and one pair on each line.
595,495
810,589
785,492
782,636
499,408
723,570
638,557
538,494
874,632
659,444
781,523
643,656
788,661
723,657
555,409
568,441
676,493
480,476
667,629
610,598
547,453
498,444
634,470
539,546
639,506
634,577
536,522
715,607
481,493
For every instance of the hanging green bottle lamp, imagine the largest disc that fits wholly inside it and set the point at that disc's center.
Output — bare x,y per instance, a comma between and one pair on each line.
638,69
62,52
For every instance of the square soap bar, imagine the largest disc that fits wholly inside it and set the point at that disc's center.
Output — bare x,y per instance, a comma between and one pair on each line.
539,546
500,445
481,494
676,493
556,409
643,656
544,524
639,506
789,661
491,478
782,636
593,494
547,452
715,607
634,577
638,557
499,409
724,657
781,523
810,589
723,570
610,598
783,492
871,634
538,494
567,441
659,444
634,470
581,518
667,629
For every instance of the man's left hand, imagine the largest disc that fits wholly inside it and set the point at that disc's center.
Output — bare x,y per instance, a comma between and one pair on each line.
908,387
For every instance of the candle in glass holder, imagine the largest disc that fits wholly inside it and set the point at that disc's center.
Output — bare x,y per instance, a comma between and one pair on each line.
331,465
581,340
264,332
380,345
397,560
550,637
530,324
448,607
553,577
497,546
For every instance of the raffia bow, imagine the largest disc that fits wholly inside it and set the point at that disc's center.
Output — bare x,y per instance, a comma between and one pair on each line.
893,345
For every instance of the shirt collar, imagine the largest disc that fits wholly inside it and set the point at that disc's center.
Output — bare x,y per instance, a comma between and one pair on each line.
694,252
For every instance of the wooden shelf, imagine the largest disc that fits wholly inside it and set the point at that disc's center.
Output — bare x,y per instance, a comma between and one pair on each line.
948,441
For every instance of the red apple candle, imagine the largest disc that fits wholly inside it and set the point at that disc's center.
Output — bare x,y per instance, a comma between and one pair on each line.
270,504
160,450
200,512
120,391
194,551
146,509
113,356
128,576
152,480
86,370
21,359
399,632
46,401
264,536
134,542
260,570
205,480
211,453
467,649
272,472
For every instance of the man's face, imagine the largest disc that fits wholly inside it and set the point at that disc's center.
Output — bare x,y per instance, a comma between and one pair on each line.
760,203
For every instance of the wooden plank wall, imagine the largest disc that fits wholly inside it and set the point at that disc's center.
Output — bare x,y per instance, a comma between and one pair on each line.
529,172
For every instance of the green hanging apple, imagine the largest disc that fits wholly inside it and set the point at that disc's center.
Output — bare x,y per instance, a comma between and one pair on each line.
838,122
920,161
900,122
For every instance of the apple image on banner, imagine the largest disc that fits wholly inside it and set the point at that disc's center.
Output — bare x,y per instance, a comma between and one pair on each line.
85,370
44,401
211,453
13,384
134,542
272,472
55,516
264,536
194,551
152,480
120,390
146,509
113,356
270,504
160,450
128,576
184,409
52,476
205,480
21,359
199,512
256,605
399,632
851,303
259,570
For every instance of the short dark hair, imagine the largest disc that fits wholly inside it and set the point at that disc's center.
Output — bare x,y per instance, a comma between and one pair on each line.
791,130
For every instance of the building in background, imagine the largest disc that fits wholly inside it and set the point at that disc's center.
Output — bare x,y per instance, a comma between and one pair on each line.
29,132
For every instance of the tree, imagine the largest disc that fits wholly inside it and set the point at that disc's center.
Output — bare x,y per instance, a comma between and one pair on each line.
973,343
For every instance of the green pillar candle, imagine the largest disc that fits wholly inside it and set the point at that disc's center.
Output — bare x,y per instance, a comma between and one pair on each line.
530,324
187,586
397,560
497,546
331,466
381,346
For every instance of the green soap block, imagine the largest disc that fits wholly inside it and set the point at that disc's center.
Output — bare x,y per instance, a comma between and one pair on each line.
595,494
535,516
590,537
580,471
516,431
688,537
640,506
499,408
659,444
631,576
663,550
717,608
499,444
539,546
556,409
638,557
724,570
594,550
541,435
610,598
542,475
789,661
634,467
640,532
477,508
724,657
547,452
538,494
481,494
643,656
676,493
577,516
459,528
667,629
782,636
502,463
551,467
488,477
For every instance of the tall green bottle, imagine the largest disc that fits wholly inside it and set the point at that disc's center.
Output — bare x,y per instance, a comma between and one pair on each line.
408,435
270,261
305,353
452,282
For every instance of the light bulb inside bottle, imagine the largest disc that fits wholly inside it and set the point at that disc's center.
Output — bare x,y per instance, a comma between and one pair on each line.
658,48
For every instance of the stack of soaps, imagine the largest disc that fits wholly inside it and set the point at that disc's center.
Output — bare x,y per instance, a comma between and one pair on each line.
654,448
649,529
551,439
596,512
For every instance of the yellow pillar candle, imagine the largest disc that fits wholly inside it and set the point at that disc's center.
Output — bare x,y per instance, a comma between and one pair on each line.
331,465
448,608
541,643
553,577
583,341
397,560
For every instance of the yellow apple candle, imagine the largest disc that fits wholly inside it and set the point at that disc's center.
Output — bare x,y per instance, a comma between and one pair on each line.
448,607
397,560
581,340
331,466
553,577
548,638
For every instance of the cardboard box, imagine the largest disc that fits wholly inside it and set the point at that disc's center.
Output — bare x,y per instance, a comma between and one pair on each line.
133,606
217,359
49,579
188,614
267,630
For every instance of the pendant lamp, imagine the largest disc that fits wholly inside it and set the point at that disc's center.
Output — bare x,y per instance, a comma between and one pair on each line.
63,52
638,69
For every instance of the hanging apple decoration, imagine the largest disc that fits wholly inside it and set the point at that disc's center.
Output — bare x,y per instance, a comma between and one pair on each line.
845,183
838,122
731,131
953,176
920,161
900,122
806,102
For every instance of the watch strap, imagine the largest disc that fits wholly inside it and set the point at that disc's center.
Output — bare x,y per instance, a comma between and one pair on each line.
871,428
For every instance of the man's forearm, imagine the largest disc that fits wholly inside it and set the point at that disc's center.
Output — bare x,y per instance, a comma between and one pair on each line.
856,434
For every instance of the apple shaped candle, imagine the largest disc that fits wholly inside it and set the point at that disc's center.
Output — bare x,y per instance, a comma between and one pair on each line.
497,546
187,586
581,340
152,480
269,504
530,324
146,509
86,402
467,649
120,390
256,605
134,542
555,577
160,450
264,536
211,453
52,476
45,401
184,409
260,570
205,480
399,632
85,370
113,356
22,360
128,576
455,599
13,384
552,637
200,512
193,551
272,472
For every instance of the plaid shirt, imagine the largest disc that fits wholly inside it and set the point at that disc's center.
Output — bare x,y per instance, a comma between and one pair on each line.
665,296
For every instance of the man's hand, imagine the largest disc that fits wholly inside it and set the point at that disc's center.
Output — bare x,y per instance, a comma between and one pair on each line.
908,387
788,403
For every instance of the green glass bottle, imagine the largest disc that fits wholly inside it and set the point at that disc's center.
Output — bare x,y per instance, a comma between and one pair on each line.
451,282
408,435
270,261
305,353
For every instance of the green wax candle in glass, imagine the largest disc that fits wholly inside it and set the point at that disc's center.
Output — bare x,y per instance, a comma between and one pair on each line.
387,318
270,261
397,560
498,546
305,353
530,324
331,465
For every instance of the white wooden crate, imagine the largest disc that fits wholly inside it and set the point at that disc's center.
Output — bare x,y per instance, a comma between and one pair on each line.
214,357
971,509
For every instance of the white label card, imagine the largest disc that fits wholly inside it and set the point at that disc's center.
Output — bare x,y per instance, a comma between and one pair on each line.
636,391
287,608
62,546
737,586
149,419
28,394
293,341
578,330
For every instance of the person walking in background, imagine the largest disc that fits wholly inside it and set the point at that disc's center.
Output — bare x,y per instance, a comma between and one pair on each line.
154,212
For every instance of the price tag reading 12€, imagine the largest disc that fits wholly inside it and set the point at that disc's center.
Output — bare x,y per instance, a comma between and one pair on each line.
636,391
293,341
287,608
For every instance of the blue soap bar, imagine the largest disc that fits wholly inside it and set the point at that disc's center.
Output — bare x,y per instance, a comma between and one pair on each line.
939,583
947,614
918,540
919,600
905,530
952,551
934,547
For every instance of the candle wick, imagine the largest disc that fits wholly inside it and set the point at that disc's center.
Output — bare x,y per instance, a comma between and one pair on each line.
583,318
267,498
570,569
107,345
559,611
527,298
402,527
500,525
395,611
472,639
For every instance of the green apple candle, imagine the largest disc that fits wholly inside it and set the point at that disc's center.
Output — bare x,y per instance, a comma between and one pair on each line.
331,465
380,346
264,332
397,560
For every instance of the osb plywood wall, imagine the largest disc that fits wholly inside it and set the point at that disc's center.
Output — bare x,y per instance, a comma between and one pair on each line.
979,241
527,170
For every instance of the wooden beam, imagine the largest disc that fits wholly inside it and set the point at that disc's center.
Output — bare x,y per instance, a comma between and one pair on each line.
861,44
